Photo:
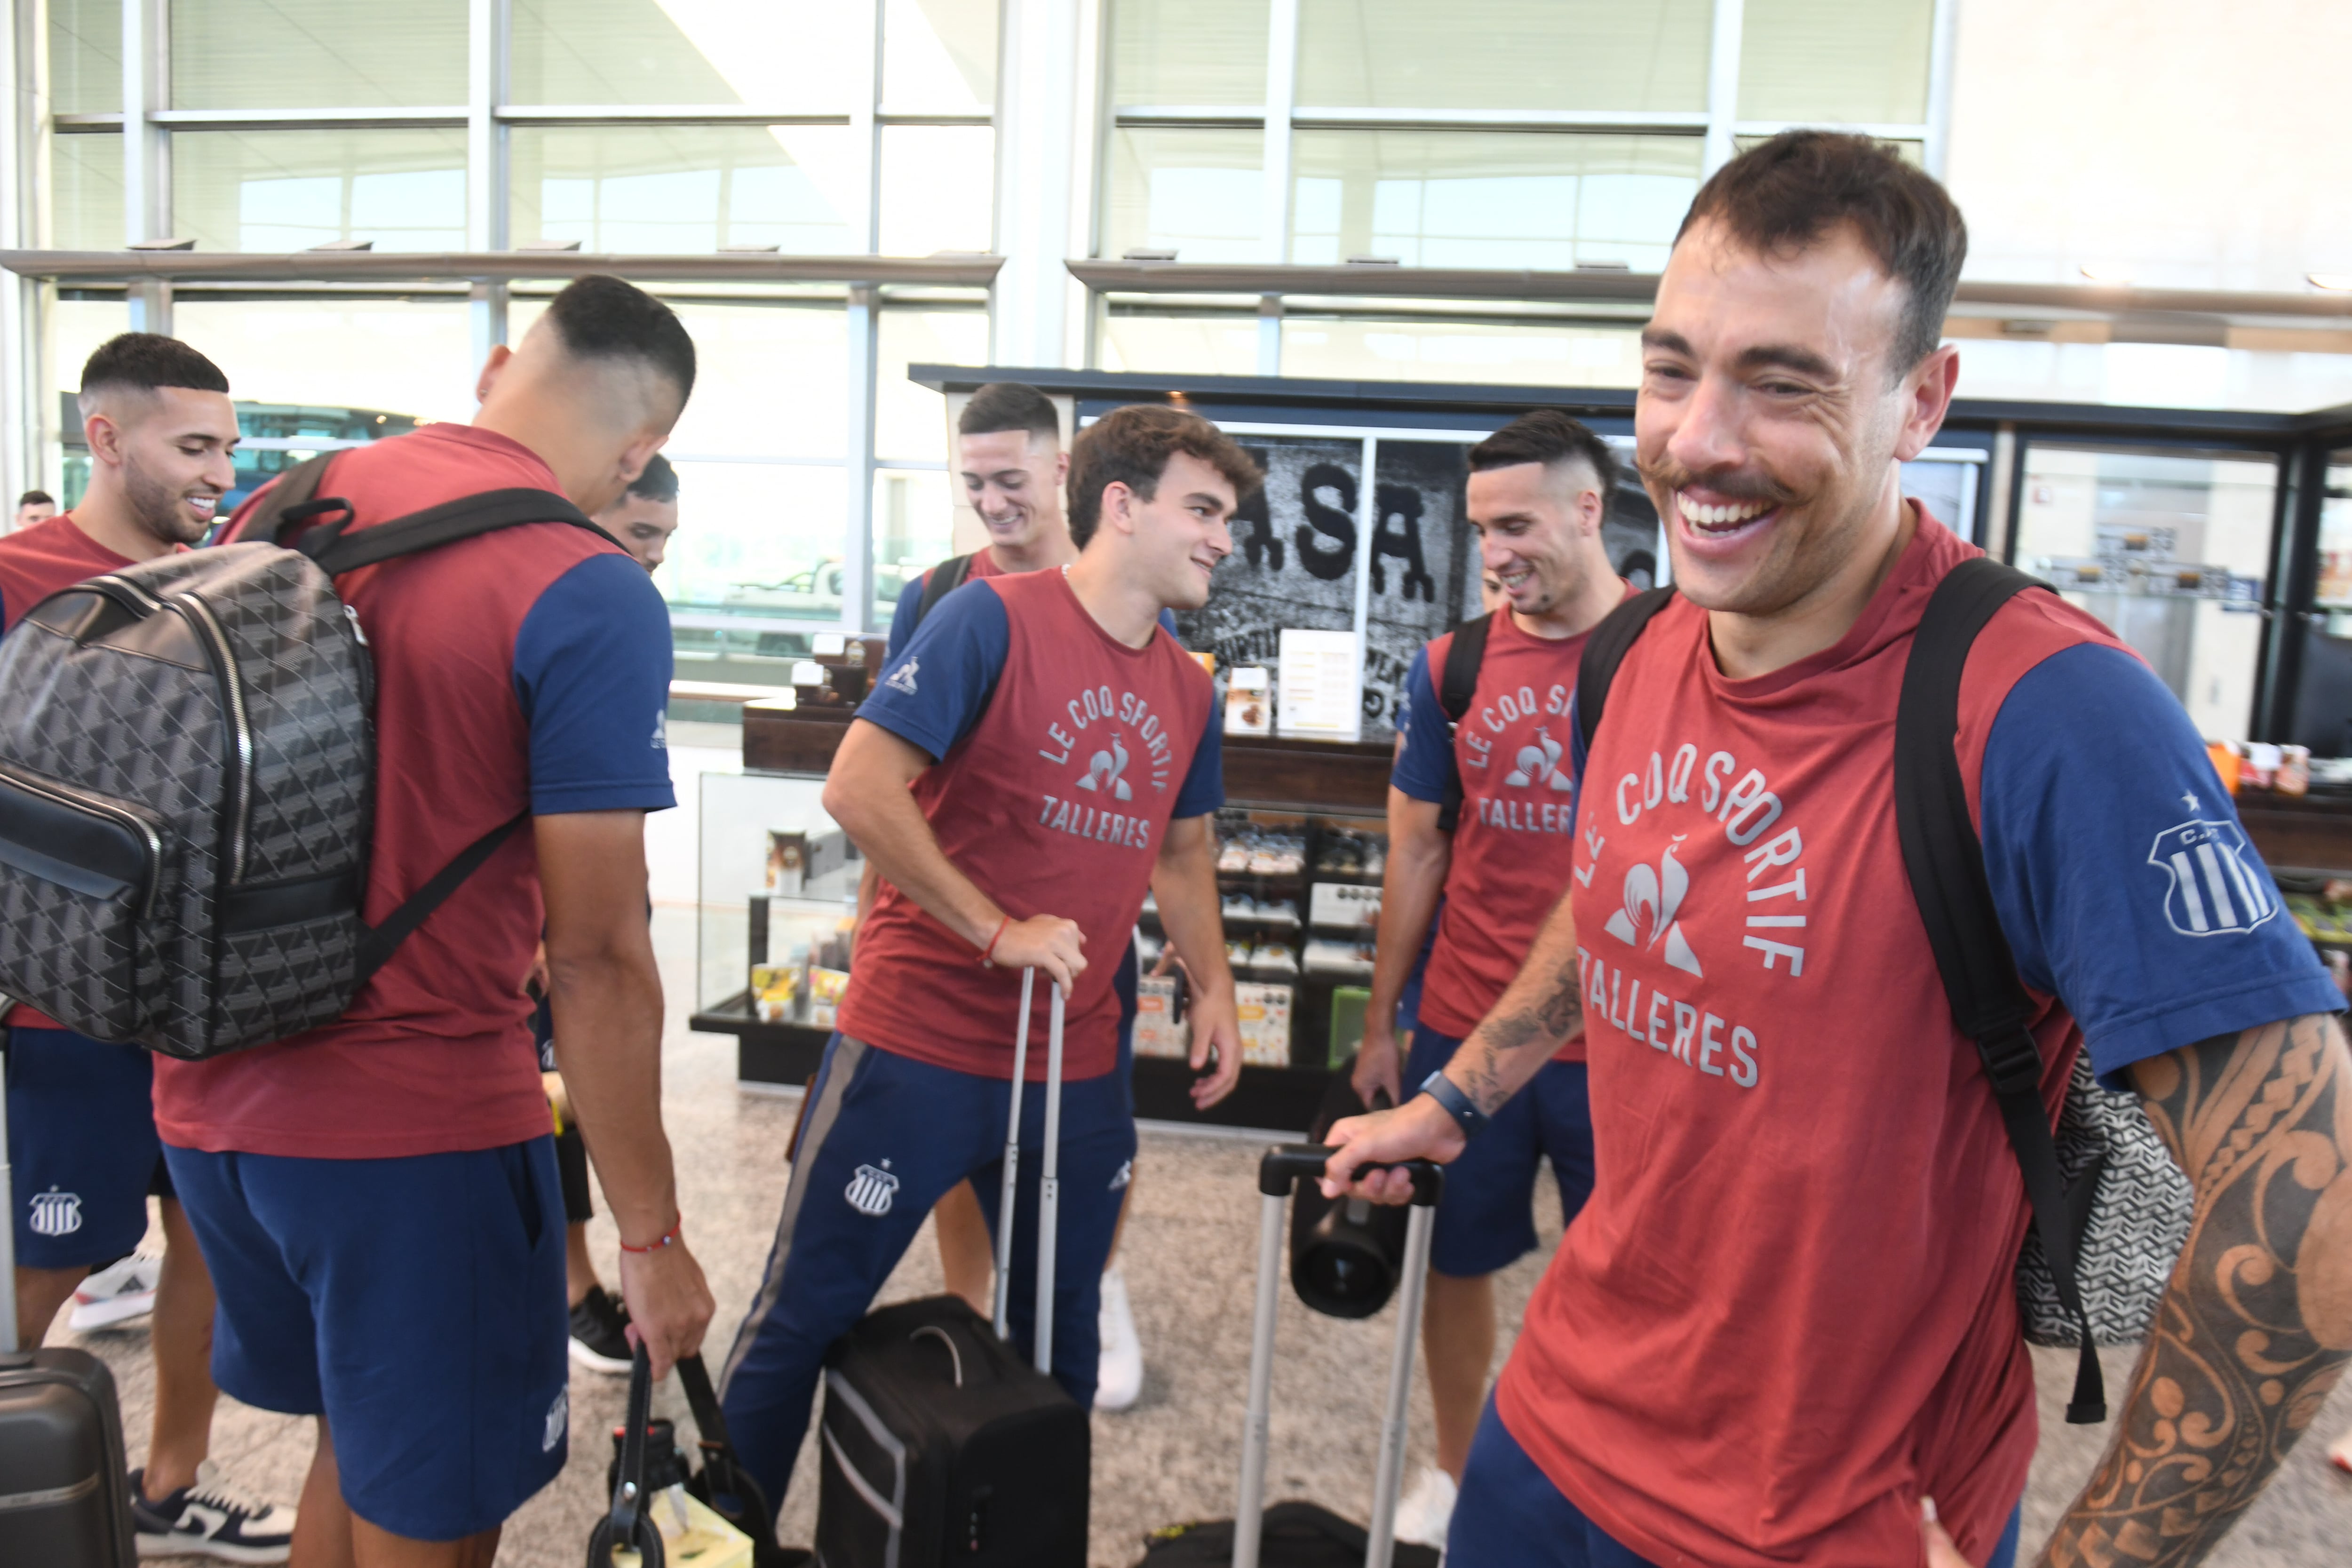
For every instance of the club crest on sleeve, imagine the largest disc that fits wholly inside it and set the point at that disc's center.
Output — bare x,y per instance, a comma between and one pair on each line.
902,679
870,1191
2214,888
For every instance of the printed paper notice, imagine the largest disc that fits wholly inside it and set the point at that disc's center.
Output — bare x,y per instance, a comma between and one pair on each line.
1321,686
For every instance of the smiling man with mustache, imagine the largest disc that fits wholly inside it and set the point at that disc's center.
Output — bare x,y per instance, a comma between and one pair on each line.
1784,1328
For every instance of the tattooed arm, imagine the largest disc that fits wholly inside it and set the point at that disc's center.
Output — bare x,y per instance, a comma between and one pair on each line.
1537,1014
2257,1324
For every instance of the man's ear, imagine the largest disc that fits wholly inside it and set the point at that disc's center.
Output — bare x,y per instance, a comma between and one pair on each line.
1926,395
104,438
492,369
1119,507
1061,468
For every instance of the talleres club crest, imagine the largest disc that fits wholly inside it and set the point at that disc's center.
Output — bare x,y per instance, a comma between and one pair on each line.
2213,887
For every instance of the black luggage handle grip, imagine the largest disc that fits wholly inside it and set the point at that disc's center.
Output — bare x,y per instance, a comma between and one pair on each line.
1284,1164
630,1523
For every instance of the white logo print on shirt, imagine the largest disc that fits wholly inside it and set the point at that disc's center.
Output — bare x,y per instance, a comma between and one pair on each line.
1540,761
1654,898
2212,892
1103,771
903,678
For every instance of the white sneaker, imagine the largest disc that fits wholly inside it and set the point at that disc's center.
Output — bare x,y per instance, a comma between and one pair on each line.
1423,1512
1118,1379
117,1292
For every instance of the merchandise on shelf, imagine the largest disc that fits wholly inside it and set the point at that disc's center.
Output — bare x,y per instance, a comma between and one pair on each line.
1264,1014
1249,701
776,992
1344,906
1345,853
1327,956
825,989
1158,1031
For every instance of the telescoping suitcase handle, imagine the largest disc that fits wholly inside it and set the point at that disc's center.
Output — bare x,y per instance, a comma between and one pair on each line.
1049,1171
1283,1166
630,1524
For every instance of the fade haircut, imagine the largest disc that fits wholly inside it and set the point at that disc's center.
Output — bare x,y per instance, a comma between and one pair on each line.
145,363
601,317
33,498
1010,405
1132,446
1546,435
657,483
1788,193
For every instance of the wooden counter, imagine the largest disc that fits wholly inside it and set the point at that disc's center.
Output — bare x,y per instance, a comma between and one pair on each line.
2303,833
1287,774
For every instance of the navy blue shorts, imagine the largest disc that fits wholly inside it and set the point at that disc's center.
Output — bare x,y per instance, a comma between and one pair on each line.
417,1303
1486,1217
884,1139
1509,1513
81,1138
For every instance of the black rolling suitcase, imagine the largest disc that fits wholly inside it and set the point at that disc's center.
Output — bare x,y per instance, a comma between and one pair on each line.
938,1444
65,1494
1304,1535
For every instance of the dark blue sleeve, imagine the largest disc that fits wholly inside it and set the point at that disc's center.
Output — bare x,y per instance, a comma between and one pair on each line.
1426,766
591,666
902,619
1205,781
1168,619
2124,883
936,690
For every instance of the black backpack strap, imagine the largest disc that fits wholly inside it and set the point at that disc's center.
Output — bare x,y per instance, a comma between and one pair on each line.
1456,684
1945,860
1604,650
945,579
337,549
378,944
288,504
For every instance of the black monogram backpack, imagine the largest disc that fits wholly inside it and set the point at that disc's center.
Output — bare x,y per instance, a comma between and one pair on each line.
187,779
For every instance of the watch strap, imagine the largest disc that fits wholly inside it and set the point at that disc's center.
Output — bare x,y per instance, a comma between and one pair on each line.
1457,1104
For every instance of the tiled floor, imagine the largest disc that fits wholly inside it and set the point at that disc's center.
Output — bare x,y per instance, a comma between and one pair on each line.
1190,1249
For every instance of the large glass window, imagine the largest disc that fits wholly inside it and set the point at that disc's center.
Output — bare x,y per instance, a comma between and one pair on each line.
1441,198
389,356
1187,53
804,54
85,193
289,190
939,187
1357,348
86,56
939,57
686,188
1844,61
2171,550
910,421
1504,54
1196,192
314,54
1179,343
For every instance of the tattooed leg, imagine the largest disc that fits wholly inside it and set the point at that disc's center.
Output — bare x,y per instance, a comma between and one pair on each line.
2257,1323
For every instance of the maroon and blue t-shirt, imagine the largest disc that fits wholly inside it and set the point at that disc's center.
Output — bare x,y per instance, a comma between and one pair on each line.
1062,754
527,669
1788,1313
1511,847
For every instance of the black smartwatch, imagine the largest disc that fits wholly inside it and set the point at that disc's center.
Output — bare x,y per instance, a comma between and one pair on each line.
1468,1116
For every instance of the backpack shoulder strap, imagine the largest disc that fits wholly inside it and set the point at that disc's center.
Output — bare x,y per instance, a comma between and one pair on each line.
1945,860
945,579
337,549
1605,649
291,493
1456,684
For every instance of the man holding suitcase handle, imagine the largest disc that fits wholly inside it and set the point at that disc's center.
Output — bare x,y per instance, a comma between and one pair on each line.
1785,1326
1040,755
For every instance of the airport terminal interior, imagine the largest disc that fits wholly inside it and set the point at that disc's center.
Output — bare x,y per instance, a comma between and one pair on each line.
1360,236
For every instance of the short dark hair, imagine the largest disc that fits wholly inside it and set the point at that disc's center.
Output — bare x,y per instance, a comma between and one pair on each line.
143,361
1132,446
36,497
657,483
601,317
1009,405
1785,194
1546,435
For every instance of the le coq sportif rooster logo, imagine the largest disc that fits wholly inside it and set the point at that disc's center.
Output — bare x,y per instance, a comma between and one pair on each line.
1103,773
1653,898
1540,761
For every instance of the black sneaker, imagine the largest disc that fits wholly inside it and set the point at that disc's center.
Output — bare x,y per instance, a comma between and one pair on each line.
600,1340
210,1518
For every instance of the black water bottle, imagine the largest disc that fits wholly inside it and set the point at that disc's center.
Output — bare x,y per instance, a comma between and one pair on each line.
1347,1256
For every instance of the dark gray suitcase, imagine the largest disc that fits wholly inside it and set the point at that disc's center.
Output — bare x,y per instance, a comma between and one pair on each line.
65,1495
938,1444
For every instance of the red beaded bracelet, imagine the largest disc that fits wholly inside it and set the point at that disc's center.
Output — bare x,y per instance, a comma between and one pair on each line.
665,1238
990,948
